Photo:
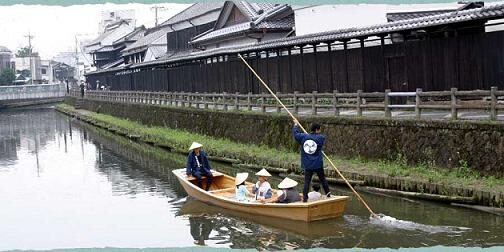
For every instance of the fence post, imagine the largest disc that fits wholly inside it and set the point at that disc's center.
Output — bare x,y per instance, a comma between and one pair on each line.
184,98
278,108
197,99
224,102
493,104
335,103
418,100
386,103
237,101
214,101
453,104
294,102
249,101
205,103
263,105
189,99
359,103
314,102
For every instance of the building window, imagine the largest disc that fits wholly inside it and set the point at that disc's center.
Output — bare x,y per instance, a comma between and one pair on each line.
44,71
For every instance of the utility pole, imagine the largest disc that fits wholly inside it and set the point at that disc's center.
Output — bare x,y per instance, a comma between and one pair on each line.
156,11
77,60
29,36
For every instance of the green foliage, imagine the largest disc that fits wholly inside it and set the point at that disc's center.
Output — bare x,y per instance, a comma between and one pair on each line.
23,52
7,77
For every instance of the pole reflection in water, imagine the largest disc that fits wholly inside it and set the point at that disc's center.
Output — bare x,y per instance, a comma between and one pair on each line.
102,190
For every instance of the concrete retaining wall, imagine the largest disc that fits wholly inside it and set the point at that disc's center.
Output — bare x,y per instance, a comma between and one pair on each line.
478,145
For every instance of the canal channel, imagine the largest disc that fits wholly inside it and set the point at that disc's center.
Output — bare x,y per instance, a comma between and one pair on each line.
66,184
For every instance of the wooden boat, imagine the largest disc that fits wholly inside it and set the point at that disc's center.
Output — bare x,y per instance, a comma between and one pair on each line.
222,194
312,230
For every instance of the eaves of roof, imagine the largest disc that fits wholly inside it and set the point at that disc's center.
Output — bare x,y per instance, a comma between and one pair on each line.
487,12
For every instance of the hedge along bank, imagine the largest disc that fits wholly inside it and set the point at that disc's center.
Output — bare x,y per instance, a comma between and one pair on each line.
422,178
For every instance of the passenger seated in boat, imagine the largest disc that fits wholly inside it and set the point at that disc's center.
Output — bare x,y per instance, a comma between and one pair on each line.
241,191
315,194
198,165
287,193
262,189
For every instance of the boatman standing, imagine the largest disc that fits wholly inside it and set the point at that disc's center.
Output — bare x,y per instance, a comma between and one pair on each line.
311,156
198,165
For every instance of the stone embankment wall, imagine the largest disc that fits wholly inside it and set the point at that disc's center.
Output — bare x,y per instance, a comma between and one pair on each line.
478,145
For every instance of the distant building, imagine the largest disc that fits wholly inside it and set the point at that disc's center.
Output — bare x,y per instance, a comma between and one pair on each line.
62,72
31,65
5,58
46,71
109,17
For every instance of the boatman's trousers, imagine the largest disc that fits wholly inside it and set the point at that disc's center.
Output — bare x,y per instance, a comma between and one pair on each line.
308,174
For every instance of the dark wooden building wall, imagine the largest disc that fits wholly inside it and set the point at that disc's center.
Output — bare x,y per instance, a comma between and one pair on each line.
470,61
178,40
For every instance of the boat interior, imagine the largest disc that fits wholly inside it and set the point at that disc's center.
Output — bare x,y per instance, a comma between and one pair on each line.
222,185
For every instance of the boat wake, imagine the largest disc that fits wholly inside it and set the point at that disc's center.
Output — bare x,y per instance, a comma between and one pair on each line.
393,223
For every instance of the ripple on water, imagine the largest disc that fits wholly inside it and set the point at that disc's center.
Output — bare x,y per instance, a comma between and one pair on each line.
393,223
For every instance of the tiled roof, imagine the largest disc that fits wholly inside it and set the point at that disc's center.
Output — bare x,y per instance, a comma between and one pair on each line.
132,36
193,11
147,39
284,23
226,31
489,12
107,48
113,64
158,50
253,10
262,16
398,16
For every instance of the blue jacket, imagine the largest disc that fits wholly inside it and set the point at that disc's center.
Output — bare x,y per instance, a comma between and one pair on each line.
192,165
311,149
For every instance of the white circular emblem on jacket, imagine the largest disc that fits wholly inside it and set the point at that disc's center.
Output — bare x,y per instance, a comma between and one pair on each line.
309,146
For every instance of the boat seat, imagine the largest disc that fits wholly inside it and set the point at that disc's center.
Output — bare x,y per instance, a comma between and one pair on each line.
214,173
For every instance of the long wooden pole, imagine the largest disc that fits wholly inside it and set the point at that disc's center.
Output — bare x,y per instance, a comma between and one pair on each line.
296,121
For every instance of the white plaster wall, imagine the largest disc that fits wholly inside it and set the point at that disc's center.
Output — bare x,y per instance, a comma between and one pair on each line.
334,17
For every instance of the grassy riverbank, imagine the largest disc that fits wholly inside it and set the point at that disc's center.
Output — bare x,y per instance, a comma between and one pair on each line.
355,168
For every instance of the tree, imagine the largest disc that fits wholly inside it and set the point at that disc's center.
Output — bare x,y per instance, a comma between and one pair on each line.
7,77
23,52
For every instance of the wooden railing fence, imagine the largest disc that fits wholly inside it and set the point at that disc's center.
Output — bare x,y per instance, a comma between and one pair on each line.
488,101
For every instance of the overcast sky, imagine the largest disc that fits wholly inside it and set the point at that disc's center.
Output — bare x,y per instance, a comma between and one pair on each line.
55,27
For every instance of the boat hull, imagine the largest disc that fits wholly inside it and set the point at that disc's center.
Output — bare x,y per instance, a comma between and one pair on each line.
222,196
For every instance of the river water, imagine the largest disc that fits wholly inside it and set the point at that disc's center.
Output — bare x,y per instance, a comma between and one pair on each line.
65,184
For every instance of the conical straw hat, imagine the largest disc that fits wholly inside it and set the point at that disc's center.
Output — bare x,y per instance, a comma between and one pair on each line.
287,183
263,173
195,145
241,177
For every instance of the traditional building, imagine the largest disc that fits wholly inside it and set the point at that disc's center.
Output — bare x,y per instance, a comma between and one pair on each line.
172,36
113,52
30,67
242,22
456,49
101,48
5,58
